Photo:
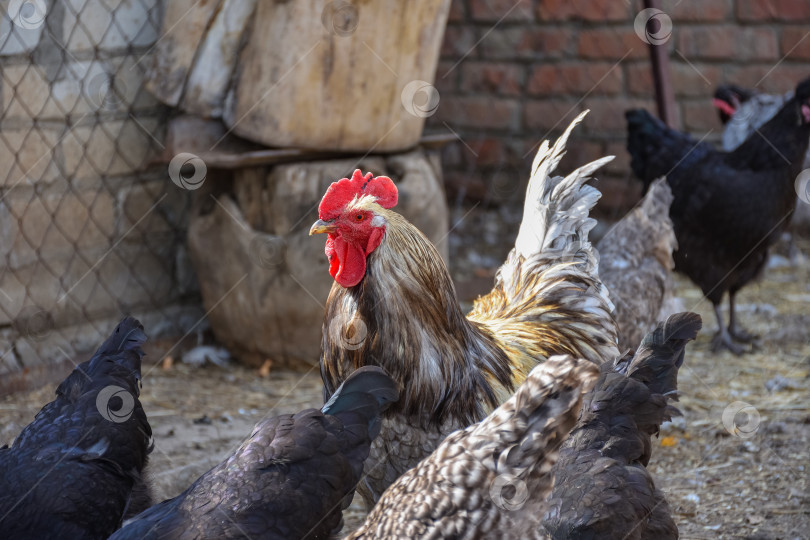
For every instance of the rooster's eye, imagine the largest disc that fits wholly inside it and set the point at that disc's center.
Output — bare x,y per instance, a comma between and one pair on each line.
359,217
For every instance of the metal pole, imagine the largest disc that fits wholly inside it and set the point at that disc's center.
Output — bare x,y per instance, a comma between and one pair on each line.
664,95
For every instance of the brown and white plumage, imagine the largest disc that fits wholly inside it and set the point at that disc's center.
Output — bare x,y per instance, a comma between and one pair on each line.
399,311
635,264
602,488
492,478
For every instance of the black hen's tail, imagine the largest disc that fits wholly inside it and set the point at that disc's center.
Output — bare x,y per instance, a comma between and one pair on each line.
657,150
601,487
366,393
127,336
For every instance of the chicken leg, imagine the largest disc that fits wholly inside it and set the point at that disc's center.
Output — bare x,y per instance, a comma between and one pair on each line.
737,333
722,339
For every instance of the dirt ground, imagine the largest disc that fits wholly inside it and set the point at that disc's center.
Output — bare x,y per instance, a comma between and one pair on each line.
721,482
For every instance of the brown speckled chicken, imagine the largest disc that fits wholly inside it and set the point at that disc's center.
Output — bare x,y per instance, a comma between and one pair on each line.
394,305
635,264
601,485
491,479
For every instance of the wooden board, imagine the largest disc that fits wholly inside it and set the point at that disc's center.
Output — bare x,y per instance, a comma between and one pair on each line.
331,75
184,26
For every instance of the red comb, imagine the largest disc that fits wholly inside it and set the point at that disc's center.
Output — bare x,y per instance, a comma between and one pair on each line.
340,193
723,106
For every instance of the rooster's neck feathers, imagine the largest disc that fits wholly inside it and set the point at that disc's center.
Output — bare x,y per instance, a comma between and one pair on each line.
423,340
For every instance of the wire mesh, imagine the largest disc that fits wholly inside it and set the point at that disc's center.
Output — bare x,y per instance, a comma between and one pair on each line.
90,228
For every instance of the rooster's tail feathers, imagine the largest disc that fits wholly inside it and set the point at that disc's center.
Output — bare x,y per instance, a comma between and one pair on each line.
367,392
557,207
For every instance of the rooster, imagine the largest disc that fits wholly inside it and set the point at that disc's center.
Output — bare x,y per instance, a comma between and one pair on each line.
728,207
393,304
602,488
290,479
492,478
635,261
71,472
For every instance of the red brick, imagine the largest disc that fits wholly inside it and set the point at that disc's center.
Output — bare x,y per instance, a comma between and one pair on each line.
607,114
588,10
767,79
575,78
458,41
697,79
611,43
796,42
478,112
773,10
525,43
501,10
446,78
489,151
492,78
621,163
579,151
728,42
544,116
639,79
458,11
619,195
700,116
712,42
703,11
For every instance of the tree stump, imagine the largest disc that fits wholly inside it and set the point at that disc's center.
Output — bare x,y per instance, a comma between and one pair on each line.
339,75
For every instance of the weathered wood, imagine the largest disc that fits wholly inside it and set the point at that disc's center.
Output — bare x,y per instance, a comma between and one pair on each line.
208,140
264,280
332,75
176,49
210,78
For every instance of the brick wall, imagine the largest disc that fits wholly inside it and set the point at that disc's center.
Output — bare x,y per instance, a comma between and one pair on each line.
89,228
514,72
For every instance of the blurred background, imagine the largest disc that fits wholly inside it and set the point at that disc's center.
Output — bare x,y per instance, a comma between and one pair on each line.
98,98
165,159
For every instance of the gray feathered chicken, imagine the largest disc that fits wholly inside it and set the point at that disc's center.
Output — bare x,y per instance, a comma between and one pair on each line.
602,488
491,479
290,479
71,472
635,264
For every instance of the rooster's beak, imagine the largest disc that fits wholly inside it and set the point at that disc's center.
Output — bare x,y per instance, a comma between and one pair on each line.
321,226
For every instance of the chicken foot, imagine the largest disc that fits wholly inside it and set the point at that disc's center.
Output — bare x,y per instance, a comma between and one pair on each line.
737,333
722,339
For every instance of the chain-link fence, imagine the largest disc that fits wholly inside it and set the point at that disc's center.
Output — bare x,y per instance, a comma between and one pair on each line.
90,226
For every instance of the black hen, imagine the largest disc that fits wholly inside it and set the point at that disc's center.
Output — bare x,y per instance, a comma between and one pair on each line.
601,486
728,207
290,479
71,472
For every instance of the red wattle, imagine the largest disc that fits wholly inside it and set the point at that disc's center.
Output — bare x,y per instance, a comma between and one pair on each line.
347,263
